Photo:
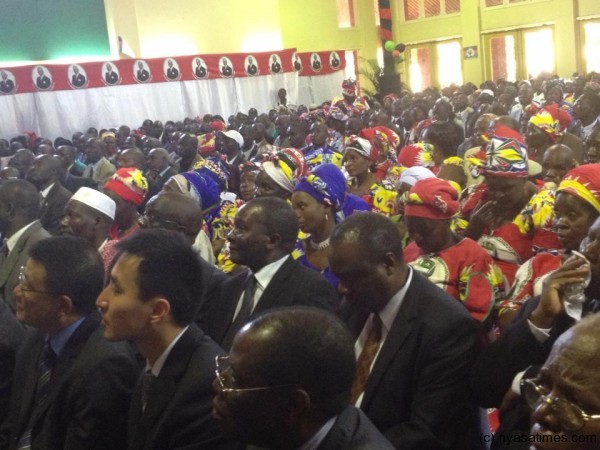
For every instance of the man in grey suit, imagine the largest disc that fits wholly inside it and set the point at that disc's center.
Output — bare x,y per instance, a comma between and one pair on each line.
98,167
11,336
19,225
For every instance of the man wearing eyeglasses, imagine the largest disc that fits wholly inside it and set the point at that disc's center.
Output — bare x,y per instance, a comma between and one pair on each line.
526,343
565,396
70,385
286,385
153,293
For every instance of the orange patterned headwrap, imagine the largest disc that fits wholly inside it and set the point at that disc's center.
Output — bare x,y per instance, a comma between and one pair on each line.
583,182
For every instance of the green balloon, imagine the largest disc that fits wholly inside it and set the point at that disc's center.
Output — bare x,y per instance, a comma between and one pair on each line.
389,46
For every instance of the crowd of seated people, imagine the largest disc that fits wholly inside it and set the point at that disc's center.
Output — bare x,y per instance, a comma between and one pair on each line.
455,234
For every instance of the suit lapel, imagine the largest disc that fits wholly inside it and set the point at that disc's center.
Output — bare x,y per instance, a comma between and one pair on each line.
9,263
271,295
224,311
401,328
165,385
30,384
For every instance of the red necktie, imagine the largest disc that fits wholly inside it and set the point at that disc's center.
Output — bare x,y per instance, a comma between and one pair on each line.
365,360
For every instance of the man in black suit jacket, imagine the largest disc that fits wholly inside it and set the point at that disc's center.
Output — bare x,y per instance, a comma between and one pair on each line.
172,72
414,343
527,342
110,75
264,234
287,384
77,80
275,66
251,69
42,81
6,84
200,70
226,69
151,303
44,175
74,386
142,74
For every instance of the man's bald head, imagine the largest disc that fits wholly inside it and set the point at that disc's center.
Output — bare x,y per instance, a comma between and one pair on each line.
132,157
45,170
158,159
22,160
174,211
557,161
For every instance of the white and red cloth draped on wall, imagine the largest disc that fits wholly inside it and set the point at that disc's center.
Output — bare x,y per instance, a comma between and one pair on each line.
56,100
54,77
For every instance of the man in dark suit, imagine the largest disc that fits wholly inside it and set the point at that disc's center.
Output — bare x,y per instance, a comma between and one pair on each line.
297,364
252,69
42,81
264,234
226,69
77,80
172,72
6,84
275,66
200,70
110,76
526,343
142,74
152,305
414,342
316,63
19,224
11,336
159,169
44,175
74,386
98,168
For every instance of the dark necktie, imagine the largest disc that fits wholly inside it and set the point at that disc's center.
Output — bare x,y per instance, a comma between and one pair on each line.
366,357
148,381
244,313
46,363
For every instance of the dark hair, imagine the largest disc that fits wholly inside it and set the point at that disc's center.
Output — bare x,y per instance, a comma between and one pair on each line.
311,348
445,136
168,268
73,268
375,234
279,218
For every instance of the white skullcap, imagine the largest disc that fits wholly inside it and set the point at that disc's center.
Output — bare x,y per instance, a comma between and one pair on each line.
413,174
97,200
235,135
488,91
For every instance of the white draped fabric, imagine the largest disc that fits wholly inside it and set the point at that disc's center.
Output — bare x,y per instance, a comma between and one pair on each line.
61,113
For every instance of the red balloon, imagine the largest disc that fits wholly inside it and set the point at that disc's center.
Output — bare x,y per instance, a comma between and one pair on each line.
395,53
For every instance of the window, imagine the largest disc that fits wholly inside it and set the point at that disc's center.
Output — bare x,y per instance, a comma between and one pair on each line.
345,13
489,3
449,63
539,52
421,9
592,46
434,64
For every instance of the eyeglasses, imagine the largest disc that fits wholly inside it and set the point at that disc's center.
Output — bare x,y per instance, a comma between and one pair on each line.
222,365
24,288
148,221
570,416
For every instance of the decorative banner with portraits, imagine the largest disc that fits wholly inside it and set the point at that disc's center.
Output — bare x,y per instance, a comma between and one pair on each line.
59,77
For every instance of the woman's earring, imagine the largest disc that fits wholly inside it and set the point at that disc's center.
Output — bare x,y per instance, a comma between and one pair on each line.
326,217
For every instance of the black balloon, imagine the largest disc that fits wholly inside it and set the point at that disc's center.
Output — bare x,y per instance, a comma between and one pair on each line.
400,47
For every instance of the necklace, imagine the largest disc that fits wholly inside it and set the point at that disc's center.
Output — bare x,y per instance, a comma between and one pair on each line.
319,245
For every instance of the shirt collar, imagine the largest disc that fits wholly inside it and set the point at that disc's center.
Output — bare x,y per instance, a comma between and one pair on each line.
60,339
160,362
12,241
314,442
44,193
266,273
389,312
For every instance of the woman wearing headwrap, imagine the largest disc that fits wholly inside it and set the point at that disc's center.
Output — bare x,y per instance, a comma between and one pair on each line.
110,141
319,200
385,143
457,265
493,206
127,188
576,207
360,158
419,154
279,173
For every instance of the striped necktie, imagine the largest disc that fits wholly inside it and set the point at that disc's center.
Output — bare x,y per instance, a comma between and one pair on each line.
366,358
